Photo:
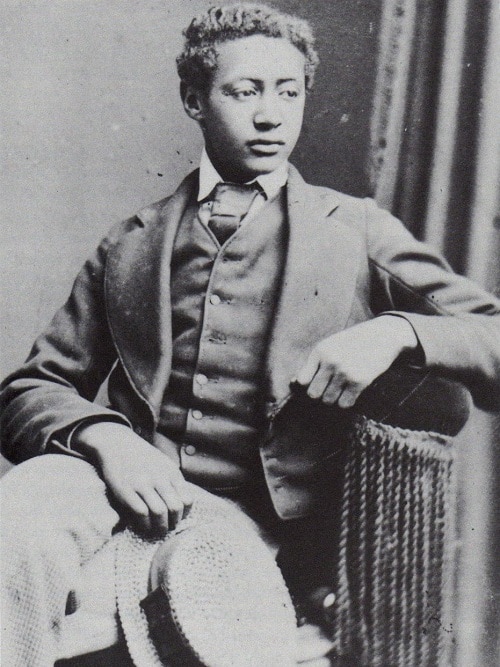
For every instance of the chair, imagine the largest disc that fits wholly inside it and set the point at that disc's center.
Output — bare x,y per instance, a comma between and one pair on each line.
394,544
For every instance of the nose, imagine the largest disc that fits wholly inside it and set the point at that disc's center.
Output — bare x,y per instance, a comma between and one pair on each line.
267,115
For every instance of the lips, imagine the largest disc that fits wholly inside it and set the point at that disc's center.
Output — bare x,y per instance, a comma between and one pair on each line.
265,146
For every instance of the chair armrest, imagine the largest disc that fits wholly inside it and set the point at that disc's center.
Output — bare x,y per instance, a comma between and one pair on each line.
416,399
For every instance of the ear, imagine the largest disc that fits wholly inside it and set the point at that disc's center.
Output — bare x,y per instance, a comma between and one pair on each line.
192,99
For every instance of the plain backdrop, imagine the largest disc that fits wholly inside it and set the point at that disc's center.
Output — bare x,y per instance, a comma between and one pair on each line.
93,129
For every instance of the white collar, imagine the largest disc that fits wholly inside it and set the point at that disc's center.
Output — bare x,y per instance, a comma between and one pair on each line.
271,183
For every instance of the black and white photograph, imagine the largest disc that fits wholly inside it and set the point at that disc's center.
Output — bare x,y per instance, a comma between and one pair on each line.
250,333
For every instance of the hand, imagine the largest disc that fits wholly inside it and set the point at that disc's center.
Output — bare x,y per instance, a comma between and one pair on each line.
313,646
340,367
142,479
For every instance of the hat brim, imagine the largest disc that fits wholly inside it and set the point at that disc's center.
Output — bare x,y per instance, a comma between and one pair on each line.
227,599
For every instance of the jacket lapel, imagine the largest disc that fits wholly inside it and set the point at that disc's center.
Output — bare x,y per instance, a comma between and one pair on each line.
138,295
318,282
317,290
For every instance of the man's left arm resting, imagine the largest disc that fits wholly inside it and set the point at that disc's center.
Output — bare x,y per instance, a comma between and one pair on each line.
423,312
456,321
341,366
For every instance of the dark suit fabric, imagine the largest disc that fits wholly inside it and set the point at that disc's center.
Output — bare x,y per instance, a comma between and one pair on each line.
347,261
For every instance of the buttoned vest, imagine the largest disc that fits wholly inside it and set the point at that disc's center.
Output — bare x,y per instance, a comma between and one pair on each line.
223,303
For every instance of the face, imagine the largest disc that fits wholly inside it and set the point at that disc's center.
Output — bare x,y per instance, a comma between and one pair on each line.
252,116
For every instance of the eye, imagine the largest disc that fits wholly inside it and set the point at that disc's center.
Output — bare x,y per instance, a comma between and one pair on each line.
289,93
244,93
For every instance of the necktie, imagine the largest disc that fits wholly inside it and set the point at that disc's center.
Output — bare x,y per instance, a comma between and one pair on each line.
231,203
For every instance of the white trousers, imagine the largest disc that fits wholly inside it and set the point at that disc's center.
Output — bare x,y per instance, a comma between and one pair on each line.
56,541
56,520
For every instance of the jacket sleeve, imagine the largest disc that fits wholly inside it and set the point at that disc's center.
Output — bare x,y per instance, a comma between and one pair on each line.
55,388
456,321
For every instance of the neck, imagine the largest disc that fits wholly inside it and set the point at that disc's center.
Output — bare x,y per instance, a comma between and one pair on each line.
231,175
228,173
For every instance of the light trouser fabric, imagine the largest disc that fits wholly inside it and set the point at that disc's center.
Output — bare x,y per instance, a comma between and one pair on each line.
55,519
57,554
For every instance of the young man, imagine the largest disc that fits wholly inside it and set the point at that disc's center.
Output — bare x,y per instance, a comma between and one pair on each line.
204,311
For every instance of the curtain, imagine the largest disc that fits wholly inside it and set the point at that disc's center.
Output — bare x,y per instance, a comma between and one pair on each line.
435,163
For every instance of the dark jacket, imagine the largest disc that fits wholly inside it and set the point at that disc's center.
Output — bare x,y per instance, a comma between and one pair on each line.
347,261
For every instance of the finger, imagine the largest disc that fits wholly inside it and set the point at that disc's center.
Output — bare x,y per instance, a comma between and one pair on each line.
135,511
350,395
334,390
173,502
158,510
183,489
308,370
132,502
187,505
319,383
184,492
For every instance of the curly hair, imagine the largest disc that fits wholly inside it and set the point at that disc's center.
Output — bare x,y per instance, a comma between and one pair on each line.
197,63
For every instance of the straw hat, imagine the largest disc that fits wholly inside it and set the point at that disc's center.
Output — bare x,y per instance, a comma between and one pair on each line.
209,594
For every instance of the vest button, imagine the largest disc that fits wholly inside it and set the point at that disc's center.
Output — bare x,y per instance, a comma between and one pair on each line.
215,299
201,379
197,414
329,600
190,450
